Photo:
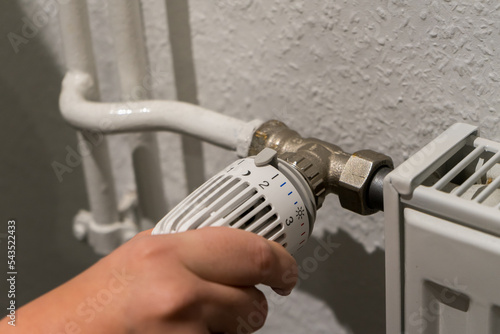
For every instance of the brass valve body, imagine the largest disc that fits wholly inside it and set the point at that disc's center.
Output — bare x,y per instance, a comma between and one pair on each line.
326,167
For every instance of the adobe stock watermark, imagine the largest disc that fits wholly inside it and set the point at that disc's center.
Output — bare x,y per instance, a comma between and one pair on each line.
234,4
416,161
31,25
450,294
306,267
87,310
284,113
74,157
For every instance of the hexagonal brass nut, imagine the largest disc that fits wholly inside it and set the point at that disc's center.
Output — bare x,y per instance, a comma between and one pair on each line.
356,177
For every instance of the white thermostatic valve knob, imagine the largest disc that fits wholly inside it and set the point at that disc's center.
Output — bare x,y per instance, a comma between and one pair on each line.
261,194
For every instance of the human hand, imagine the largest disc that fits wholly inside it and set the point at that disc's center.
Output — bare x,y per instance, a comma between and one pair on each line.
200,281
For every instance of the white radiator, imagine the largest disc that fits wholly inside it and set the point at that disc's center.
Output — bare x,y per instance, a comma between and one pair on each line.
442,237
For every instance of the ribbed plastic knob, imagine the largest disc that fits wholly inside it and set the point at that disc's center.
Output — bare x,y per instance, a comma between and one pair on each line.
260,194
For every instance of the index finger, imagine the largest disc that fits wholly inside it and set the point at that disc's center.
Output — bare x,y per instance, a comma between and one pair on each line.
239,258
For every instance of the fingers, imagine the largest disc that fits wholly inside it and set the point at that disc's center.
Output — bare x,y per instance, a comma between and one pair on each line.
234,310
143,234
234,257
239,258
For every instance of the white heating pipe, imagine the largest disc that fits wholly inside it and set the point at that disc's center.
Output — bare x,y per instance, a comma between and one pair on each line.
151,115
180,38
130,48
96,165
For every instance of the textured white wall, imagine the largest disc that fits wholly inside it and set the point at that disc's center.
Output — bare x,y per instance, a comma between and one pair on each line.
385,75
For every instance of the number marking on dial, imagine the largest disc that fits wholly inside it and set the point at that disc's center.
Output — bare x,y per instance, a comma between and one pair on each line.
264,184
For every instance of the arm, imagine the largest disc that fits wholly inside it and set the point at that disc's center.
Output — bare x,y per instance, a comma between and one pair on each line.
200,281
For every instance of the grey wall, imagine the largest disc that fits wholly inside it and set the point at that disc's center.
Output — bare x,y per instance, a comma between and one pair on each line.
384,75
33,135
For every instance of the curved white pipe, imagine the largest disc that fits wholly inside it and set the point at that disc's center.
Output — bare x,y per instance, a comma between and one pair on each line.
151,115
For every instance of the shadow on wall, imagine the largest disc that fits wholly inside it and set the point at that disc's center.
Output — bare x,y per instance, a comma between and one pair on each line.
33,136
350,281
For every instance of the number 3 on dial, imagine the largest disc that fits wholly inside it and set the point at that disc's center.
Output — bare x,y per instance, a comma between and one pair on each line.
289,221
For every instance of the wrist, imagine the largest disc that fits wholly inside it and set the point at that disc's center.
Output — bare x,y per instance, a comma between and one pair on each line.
92,302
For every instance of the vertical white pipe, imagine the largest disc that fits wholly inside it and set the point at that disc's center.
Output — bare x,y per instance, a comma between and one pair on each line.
185,82
126,24
96,164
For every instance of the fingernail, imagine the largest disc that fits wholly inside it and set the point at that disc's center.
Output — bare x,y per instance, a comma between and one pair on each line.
282,292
